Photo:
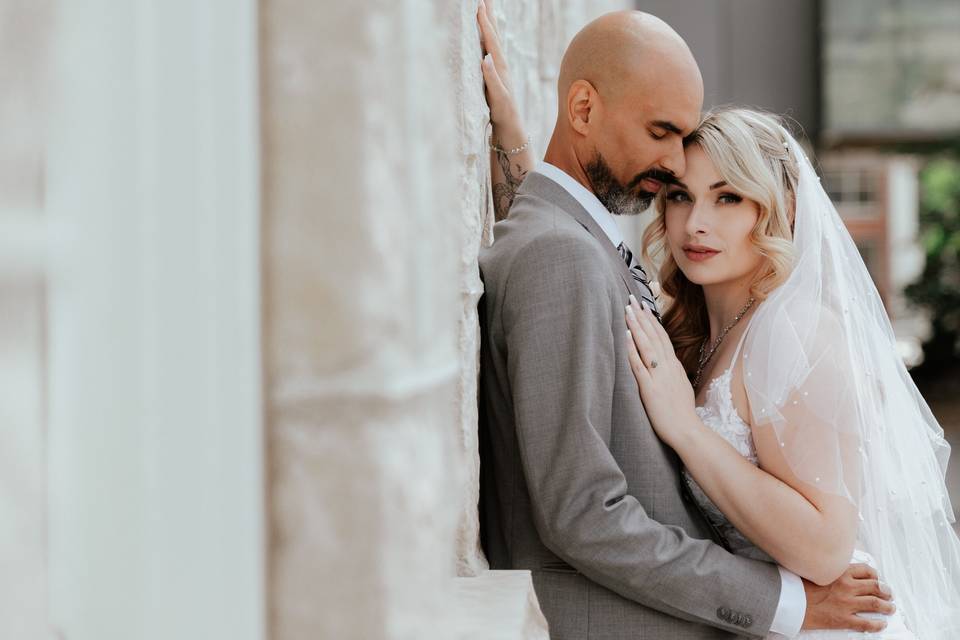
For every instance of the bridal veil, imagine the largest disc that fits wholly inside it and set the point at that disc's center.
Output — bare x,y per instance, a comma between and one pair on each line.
822,370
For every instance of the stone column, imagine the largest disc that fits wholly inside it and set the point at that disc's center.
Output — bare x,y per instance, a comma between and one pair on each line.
362,231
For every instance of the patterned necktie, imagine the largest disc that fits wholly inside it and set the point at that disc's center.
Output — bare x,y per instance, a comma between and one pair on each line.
643,283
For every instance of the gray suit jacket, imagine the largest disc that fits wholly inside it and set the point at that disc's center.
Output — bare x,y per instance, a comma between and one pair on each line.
575,484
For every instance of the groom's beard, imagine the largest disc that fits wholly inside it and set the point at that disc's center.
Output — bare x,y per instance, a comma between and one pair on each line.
622,199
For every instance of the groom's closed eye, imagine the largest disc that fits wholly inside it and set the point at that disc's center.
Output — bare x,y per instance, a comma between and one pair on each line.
660,128
663,177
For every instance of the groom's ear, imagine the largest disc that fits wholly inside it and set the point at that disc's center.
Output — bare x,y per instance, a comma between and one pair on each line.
582,100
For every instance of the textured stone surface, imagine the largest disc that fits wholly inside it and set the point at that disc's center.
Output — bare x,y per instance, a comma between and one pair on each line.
362,230
499,605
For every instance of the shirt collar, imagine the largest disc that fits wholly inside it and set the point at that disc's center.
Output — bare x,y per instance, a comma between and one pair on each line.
587,200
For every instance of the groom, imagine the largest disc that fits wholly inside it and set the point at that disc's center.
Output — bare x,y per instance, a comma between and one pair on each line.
576,487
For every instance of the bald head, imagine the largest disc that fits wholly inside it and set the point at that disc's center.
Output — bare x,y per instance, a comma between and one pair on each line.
629,92
623,50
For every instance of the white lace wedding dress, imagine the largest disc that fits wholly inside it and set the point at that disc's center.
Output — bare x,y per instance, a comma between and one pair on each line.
719,414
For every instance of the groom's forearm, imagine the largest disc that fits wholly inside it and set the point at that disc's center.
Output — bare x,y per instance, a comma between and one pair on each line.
508,168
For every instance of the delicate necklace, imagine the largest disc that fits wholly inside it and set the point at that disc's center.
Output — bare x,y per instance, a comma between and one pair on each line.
704,359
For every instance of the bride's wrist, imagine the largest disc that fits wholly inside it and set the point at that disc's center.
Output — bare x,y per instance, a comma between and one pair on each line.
687,432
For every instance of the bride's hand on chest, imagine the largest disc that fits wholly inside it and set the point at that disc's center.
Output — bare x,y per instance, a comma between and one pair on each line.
666,391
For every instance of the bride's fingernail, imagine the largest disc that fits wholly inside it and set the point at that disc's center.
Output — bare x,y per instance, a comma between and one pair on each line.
633,300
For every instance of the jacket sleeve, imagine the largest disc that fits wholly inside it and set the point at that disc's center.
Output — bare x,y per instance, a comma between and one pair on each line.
560,334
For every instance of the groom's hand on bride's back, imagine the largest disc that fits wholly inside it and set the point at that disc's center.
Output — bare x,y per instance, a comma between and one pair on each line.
836,605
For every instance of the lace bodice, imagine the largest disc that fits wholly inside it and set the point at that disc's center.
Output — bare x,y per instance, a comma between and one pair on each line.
719,414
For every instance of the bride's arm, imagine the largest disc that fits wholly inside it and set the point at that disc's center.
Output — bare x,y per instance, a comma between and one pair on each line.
806,530
510,154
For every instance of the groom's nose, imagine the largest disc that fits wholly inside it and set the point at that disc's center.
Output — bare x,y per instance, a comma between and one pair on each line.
674,161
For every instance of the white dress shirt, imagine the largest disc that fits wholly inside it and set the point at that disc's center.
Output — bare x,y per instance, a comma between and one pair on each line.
792,606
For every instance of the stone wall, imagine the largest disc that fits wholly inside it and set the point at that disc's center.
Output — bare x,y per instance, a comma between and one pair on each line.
361,227
375,187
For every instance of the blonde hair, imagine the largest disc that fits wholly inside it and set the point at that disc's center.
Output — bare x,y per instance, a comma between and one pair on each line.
749,150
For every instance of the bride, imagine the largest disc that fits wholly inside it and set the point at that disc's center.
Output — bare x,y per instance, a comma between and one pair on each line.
775,375
803,437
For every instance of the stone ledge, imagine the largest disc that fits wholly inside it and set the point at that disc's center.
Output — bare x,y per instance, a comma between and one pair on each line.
499,605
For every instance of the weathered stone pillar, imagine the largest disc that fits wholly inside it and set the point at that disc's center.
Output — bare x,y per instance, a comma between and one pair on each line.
362,231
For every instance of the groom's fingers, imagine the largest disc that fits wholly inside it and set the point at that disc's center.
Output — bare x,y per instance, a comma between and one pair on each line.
490,38
871,604
865,581
487,6
875,588
865,625
862,572
496,90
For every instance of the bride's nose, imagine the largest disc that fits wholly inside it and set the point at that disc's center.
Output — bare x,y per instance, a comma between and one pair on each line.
696,221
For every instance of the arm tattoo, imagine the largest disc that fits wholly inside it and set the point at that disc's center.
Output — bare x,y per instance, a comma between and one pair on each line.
504,192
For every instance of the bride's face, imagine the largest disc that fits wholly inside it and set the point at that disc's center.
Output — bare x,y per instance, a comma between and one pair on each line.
708,225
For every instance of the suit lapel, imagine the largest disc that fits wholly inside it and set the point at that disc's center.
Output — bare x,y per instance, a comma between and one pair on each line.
539,185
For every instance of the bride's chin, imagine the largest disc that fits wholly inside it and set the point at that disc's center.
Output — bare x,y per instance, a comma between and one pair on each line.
695,276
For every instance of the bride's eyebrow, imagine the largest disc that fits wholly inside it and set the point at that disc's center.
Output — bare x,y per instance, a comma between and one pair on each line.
677,183
717,185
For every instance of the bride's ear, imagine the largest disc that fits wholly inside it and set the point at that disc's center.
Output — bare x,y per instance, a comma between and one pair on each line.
582,101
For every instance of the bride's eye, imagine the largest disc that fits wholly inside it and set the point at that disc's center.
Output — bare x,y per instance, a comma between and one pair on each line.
729,198
678,196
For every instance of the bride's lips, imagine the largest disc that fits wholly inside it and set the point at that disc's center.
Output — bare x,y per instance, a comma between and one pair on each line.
698,253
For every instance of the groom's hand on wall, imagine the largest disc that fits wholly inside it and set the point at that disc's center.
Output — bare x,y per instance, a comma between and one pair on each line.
836,605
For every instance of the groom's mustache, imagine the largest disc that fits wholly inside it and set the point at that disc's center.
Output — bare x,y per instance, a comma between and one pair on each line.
663,177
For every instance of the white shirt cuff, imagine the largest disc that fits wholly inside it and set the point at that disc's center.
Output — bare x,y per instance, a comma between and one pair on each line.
792,607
